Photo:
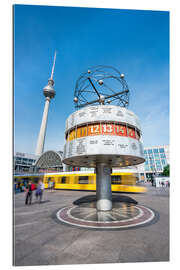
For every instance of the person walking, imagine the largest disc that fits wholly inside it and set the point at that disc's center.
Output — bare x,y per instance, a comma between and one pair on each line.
49,185
29,193
42,189
39,191
53,185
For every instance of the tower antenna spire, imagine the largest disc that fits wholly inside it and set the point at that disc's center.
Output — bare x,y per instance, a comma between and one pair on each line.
52,72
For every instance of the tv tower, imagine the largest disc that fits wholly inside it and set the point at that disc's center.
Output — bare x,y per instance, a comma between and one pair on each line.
49,93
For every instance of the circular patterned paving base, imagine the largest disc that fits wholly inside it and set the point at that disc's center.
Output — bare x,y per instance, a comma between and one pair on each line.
123,217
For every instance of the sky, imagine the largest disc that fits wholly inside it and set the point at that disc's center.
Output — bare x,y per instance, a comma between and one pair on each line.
134,42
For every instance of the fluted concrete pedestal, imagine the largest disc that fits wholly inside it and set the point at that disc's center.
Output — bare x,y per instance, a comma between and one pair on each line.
103,187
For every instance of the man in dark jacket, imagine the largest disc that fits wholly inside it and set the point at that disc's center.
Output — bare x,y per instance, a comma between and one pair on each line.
29,191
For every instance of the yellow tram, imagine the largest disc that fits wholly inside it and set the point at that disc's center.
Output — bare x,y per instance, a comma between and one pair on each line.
83,180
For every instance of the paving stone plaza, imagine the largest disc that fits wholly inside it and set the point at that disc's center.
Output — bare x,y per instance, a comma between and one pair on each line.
41,239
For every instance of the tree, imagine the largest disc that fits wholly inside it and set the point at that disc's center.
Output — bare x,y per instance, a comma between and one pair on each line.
166,170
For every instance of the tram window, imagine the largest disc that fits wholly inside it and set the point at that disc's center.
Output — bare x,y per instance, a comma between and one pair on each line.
25,179
83,179
35,180
63,180
116,179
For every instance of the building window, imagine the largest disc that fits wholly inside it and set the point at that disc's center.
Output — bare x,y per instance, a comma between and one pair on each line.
18,158
159,168
156,156
163,161
163,156
147,168
151,161
145,152
155,151
150,151
158,162
161,150
146,163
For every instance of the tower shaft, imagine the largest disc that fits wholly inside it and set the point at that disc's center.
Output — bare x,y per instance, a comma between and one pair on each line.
49,93
42,133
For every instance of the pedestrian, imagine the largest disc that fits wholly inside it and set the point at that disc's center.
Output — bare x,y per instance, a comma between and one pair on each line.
42,190
39,191
29,193
49,185
15,187
21,187
18,187
53,185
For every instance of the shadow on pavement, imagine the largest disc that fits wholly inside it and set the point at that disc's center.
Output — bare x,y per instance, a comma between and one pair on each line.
42,202
90,200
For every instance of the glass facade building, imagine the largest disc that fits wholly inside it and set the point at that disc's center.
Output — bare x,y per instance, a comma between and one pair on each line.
156,158
23,162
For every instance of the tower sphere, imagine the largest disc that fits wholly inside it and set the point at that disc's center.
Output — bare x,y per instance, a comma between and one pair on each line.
76,99
122,76
101,98
100,82
48,90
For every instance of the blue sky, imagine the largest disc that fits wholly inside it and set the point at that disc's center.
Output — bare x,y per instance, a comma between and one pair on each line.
134,42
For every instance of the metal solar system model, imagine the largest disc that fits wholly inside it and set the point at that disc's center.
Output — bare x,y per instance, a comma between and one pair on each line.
102,133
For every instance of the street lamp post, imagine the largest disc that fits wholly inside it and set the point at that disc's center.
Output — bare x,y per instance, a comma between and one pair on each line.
153,169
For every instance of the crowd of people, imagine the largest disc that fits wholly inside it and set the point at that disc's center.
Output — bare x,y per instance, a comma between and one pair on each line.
38,191
30,188
164,184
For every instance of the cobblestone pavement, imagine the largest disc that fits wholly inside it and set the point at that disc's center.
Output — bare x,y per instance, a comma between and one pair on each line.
40,239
